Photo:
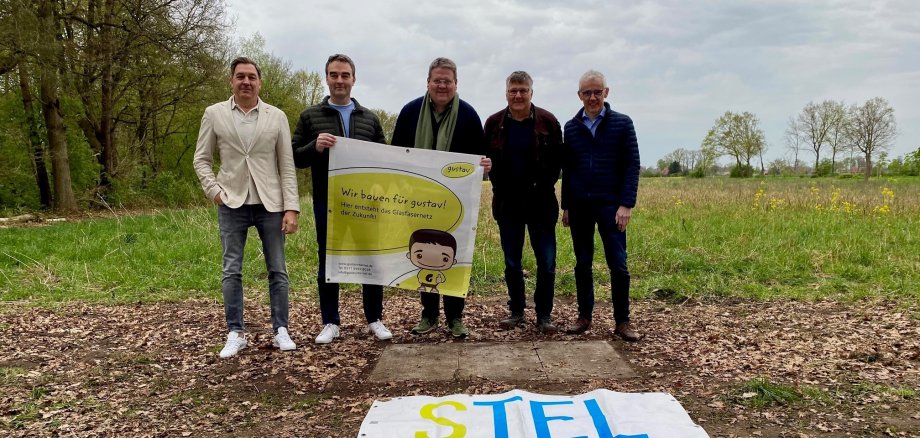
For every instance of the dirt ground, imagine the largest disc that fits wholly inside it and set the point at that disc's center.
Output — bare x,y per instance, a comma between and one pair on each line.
153,370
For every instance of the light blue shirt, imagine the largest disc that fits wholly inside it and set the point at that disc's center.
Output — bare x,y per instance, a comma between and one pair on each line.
592,124
345,111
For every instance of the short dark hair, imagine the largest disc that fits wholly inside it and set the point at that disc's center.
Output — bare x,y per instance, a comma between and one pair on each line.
244,60
519,77
441,62
437,237
340,58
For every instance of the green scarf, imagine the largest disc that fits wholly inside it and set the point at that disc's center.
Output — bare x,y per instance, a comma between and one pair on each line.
424,134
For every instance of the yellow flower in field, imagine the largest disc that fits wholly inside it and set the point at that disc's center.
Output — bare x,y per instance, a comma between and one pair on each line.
776,203
835,196
881,209
887,193
848,207
758,197
677,201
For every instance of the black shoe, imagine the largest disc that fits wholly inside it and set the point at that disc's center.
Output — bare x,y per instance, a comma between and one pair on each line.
515,320
546,326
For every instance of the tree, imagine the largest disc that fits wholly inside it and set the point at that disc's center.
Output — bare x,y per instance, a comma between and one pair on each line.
387,121
736,135
815,124
871,128
836,136
674,168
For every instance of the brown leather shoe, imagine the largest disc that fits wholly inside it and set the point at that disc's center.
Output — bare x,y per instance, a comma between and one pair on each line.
625,331
581,325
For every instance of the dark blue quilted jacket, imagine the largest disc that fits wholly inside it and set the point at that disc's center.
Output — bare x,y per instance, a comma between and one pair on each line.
603,169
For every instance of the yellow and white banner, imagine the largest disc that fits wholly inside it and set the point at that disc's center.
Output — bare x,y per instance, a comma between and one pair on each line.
402,217
520,414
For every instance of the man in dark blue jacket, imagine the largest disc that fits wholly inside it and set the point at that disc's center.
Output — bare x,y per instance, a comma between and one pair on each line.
440,120
525,144
600,178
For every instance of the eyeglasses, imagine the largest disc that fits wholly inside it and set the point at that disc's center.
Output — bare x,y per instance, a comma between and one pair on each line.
444,82
588,93
521,91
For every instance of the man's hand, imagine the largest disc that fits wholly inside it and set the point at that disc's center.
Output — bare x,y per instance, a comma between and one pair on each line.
623,214
565,218
218,200
289,222
486,164
324,141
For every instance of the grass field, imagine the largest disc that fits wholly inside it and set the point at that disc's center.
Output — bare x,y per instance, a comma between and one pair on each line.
760,238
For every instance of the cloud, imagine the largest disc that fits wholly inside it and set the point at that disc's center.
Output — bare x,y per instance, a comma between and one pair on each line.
673,66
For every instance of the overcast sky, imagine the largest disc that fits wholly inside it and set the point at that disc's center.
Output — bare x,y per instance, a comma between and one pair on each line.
673,66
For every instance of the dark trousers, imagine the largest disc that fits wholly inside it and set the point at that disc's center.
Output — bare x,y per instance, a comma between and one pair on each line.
372,294
582,220
453,306
543,241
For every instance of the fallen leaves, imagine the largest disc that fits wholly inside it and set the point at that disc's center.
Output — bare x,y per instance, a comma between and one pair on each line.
153,369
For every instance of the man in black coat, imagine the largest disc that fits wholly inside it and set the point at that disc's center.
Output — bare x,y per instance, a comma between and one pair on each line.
600,179
440,120
338,115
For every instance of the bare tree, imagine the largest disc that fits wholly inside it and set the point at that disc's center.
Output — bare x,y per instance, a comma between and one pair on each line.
837,113
871,128
793,143
814,124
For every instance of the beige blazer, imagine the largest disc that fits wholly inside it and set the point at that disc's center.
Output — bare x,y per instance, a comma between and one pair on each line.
269,159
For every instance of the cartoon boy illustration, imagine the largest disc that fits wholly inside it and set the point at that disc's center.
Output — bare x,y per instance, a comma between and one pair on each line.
432,251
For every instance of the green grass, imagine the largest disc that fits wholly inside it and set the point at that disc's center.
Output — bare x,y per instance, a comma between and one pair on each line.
760,393
689,238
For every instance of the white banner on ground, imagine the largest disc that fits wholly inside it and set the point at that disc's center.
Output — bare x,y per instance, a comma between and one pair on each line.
520,414
402,217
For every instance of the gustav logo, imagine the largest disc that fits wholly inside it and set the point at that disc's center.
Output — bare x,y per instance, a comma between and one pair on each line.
457,170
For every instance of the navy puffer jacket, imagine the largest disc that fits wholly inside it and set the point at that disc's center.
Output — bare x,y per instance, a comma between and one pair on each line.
601,169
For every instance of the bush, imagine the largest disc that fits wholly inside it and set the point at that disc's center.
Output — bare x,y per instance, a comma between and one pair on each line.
741,171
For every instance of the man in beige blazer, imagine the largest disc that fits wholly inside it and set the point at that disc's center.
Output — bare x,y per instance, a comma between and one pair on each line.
256,186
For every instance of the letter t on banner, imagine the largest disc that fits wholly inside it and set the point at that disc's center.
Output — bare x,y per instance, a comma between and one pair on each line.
499,415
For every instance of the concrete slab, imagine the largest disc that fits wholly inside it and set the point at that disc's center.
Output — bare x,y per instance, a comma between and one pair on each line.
516,361
512,361
417,362
582,360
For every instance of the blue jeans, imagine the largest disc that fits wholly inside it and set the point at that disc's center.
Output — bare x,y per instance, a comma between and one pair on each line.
543,242
582,220
372,294
234,225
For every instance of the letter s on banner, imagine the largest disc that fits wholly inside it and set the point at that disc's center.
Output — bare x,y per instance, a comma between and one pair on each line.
427,412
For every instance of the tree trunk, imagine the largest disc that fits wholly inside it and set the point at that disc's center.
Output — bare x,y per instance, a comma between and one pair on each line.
833,162
868,172
38,150
51,110
107,152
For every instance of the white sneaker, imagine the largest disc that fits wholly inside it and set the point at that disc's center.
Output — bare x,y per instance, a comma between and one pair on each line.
283,341
379,330
330,332
234,344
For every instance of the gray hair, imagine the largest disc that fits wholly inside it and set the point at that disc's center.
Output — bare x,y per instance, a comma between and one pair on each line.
519,77
593,74
441,62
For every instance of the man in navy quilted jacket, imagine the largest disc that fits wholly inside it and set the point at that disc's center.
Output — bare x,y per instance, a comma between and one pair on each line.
600,178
